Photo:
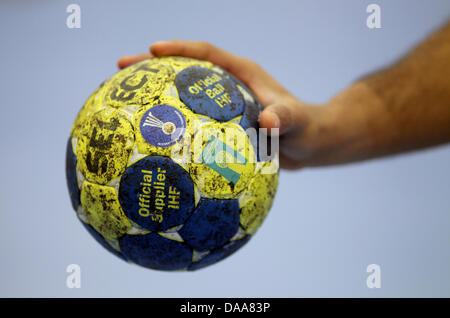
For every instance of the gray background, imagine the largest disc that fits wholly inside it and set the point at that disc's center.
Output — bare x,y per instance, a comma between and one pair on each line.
326,225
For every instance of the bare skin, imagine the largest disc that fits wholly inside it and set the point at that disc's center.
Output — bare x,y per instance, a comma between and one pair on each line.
402,108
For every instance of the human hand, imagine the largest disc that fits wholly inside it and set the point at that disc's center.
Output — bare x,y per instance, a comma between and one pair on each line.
306,131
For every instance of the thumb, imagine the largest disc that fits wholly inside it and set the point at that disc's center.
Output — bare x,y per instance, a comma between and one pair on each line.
277,118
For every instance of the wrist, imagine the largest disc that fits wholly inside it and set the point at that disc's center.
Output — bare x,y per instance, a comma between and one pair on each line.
357,121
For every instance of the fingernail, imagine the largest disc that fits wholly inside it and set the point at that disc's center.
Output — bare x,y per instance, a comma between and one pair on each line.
276,120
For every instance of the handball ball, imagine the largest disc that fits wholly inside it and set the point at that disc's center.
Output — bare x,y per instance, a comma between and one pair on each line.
164,166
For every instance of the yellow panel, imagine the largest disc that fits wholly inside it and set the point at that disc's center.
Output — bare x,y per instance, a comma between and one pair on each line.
257,200
104,145
140,83
223,160
102,209
92,105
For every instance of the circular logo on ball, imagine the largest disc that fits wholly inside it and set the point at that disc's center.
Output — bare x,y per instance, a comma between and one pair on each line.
157,193
163,125
209,93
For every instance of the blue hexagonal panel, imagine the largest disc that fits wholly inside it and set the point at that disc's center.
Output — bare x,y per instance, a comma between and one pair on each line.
154,251
209,93
71,176
157,193
219,254
213,223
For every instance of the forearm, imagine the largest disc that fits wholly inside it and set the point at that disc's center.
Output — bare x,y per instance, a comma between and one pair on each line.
404,107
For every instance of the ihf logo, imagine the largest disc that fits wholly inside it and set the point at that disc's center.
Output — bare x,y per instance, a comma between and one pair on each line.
163,125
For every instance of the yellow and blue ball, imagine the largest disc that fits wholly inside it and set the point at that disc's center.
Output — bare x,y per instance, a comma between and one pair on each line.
162,168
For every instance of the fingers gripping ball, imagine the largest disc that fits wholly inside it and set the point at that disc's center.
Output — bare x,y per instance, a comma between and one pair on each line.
162,168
